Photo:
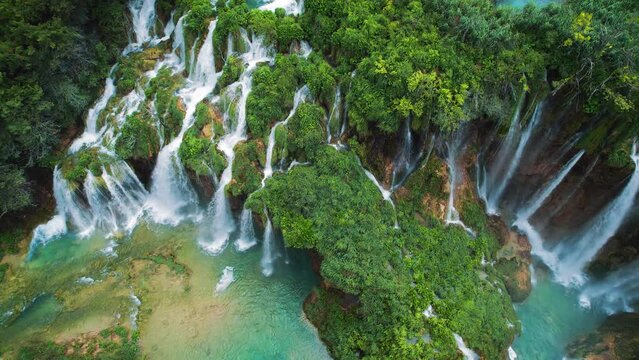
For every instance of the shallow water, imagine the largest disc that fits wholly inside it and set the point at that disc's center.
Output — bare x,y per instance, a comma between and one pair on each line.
181,315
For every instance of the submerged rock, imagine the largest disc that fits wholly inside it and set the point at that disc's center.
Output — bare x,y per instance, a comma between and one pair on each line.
616,339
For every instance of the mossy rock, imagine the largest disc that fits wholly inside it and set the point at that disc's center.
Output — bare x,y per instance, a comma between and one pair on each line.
138,138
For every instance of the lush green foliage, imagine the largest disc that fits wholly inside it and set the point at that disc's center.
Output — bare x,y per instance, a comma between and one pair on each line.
272,94
381,279
54,56
198,150
247,175
306,133
138,138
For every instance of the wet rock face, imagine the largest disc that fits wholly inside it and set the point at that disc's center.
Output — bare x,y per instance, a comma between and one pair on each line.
513,260
616,339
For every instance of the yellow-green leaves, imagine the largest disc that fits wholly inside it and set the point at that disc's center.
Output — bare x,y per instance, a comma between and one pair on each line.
581,28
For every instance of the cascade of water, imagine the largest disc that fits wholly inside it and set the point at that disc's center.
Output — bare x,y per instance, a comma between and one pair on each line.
292,7
116,198
300,97
618,292
68,208
467,352
335,113
523,217
247,232
452,215
305,49
493,198
223,223
172,196
267,255
575,253
179,44
540,197
90,136
143,14
192,55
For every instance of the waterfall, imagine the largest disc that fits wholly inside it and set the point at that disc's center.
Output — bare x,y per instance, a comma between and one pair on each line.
523,217
68,208
468,353
406,161
300,97
269,243
223,223
539,198
292,7
172,196
143,14
335,113
90,136
616,293
577,251
452,215
247,232
179,45
494,182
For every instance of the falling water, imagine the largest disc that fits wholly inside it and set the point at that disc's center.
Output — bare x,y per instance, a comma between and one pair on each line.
292,7
172,196
267,255
406,160
539,198
223,223
143,13
467,352
335,114
452,215
575,253
247,232
618,292
90,136
300,97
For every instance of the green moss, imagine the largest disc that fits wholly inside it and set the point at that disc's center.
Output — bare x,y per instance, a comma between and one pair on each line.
247,174
138,138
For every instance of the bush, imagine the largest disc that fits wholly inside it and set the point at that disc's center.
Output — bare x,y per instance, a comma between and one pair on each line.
138,138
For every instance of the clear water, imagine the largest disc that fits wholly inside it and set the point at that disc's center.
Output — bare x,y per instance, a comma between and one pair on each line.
551,318
180,316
